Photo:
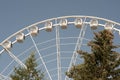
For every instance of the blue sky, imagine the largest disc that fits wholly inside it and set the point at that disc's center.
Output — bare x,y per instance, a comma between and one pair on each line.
16,14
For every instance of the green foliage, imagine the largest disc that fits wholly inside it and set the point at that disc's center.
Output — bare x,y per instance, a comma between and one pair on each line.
31,73
102,63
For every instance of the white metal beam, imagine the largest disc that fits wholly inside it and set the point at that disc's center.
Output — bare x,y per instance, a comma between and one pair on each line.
77,47
43,62
58,52
2,77
15,58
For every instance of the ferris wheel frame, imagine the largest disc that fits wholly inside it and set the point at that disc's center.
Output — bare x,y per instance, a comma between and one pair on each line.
49,24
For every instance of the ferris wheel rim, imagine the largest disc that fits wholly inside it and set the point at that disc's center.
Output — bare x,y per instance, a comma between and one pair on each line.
72,16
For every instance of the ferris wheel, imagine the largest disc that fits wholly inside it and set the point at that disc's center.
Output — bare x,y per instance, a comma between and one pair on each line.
55,42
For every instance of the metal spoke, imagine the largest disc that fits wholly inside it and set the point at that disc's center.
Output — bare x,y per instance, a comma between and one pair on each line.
15,58
43,62
58,52
2,77
7,66
77,47
2,51
80,43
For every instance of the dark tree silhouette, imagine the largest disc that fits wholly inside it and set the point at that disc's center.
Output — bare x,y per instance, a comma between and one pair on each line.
31,73
102,63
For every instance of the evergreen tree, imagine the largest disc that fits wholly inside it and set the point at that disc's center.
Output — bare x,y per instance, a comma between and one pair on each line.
103,61
31,73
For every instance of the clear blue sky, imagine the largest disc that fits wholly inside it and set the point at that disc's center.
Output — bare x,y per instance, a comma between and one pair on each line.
16,14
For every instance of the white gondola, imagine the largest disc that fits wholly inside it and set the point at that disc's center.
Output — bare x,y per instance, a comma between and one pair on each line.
119,32
7,45
108,26
63,23
34,30
78,22
48,26
20,37
94,24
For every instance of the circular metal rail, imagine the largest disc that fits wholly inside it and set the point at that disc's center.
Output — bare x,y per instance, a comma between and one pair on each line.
58,18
